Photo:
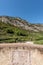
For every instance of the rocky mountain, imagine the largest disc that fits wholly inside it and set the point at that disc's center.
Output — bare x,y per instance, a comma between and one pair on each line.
15,29
16,21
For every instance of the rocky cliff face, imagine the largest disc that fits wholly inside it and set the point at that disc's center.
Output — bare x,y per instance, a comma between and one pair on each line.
21,23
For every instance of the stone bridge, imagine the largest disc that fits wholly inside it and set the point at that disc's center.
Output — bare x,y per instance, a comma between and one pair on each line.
21,54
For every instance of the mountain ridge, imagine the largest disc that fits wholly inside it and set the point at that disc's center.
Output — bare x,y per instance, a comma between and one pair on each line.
22,23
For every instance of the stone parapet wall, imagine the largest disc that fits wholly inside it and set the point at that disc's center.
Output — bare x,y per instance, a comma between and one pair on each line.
21,54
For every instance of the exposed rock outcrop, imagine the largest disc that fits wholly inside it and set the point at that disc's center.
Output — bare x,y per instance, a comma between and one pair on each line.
16,21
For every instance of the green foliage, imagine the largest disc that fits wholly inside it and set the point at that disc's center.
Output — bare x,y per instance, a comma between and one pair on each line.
39,42
21,33
9,33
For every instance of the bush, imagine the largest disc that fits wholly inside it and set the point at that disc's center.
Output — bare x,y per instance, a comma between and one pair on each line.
21,34
10,31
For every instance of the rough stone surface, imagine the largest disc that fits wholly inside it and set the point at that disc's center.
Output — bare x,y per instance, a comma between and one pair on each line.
21,54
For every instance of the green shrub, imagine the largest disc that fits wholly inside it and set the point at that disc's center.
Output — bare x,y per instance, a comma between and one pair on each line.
10,31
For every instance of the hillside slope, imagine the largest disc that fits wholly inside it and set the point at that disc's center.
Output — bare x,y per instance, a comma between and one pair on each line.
21,23
13,29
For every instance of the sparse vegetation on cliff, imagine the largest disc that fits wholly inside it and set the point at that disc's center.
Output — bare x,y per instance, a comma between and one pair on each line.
11,32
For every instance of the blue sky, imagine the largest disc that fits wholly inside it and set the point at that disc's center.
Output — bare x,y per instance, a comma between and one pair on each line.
30,10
